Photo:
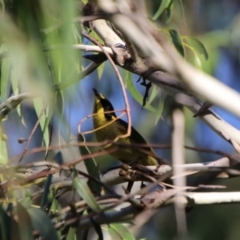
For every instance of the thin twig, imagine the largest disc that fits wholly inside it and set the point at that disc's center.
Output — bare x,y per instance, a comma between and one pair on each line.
32,132
127,107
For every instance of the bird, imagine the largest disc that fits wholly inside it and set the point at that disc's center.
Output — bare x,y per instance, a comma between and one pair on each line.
108,129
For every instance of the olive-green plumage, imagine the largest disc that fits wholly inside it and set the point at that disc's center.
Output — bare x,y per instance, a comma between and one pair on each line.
103,116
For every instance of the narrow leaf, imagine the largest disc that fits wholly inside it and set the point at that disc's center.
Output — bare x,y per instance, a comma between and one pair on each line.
163,5
39,105
5,77
24,223
42,223
177,41
3,147
119,231
182,9
5,225
160,107
197,45
71,234
47,185
27,200
85,193
91,166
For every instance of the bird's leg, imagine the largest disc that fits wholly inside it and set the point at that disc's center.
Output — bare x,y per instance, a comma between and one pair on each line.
148,86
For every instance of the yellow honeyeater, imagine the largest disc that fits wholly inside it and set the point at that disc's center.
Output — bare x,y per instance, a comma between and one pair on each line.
104,114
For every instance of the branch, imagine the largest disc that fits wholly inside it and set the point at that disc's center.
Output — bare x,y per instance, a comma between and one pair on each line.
161,199
12,102
178,158
140,31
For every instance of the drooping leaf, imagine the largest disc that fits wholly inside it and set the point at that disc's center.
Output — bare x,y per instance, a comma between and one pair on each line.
24,223
182,9
91,166
5,77
160,107
3,147
85,193
163,5
46,191
55,206
27,200
71,234
5,225
168,12
153,94
197,46
197,61
42,223
177,41
39,105
119,231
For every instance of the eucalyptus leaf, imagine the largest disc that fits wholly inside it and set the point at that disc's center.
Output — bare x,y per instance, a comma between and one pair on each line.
91,166
24,223
177,41
163,5
5,225
119,231
3,147
42,223
46,191
5,78
197,46
71,234
85,193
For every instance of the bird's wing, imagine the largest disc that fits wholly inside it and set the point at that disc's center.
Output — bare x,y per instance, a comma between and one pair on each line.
134,134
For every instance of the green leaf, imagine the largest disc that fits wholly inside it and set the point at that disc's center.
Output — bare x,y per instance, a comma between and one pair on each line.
44,121
177,41
42,223
119,231
163,5
71,234
153,94
3,147
168,13
46,191
5,225
182,9
197,61
85,193
24,223
91,166
27,200
2,6
55,206
85,1
5,77
197,45
160,106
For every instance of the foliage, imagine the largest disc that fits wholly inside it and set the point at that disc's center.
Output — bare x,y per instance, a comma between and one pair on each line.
49,191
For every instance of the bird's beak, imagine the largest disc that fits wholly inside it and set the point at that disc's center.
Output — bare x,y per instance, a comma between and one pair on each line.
96,93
